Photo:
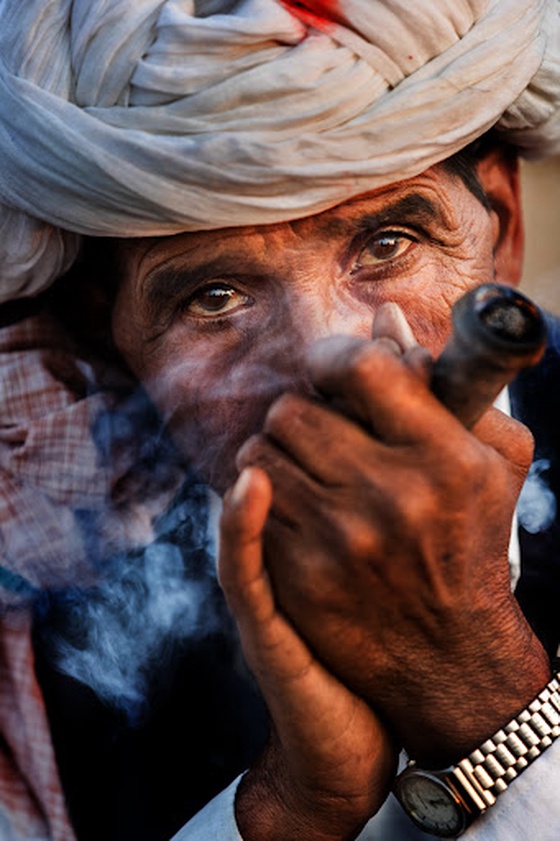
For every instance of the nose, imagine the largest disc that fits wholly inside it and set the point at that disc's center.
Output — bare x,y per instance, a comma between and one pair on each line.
319,317
307,318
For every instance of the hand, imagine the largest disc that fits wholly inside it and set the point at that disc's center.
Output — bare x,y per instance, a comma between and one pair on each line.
330,762
387,545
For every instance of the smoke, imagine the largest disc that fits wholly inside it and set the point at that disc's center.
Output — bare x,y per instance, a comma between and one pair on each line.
119,562
536,507
116,636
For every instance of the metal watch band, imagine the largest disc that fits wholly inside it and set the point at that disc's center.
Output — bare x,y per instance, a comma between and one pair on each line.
489,769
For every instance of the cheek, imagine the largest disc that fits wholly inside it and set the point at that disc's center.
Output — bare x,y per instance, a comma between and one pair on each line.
428,298
212,401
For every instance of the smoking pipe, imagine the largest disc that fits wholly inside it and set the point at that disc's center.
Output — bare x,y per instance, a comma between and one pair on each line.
497,332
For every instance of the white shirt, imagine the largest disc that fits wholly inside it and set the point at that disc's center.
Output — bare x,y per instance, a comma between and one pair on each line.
528,811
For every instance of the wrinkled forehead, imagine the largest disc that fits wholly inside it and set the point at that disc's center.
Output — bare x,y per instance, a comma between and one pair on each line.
427,198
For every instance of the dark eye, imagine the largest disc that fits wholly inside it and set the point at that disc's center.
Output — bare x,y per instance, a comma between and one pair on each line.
216,299
383,246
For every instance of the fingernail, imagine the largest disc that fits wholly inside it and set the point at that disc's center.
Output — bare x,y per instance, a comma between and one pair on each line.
390,321
241,487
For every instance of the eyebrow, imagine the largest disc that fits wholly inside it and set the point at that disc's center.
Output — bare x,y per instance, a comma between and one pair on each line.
161,287
413,206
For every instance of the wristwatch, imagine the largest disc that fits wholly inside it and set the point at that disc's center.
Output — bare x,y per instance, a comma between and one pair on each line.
445,802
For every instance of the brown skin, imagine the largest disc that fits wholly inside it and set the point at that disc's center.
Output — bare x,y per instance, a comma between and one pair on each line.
291,284
330,761
385,537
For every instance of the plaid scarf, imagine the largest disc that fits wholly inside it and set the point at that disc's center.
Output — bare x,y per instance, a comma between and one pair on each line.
75,488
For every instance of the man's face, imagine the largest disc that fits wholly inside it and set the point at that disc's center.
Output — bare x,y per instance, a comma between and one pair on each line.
216,324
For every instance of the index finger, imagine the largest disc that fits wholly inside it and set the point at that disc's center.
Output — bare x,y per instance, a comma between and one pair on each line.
377,384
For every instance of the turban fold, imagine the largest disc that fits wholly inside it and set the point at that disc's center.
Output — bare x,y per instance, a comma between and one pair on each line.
152,117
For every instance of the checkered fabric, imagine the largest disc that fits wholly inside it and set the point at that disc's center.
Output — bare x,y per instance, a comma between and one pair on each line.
31,801
65,457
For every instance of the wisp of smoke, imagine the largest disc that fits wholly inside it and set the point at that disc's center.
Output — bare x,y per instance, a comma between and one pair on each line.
116,634
536,507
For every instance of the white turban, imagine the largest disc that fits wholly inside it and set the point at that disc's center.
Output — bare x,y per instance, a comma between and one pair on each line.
151,117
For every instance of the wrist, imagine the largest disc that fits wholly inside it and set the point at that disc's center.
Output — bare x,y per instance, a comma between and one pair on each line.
479,691
446,801
271,805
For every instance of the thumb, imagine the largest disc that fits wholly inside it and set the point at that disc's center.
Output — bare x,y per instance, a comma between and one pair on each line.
240,563
273,650
510,438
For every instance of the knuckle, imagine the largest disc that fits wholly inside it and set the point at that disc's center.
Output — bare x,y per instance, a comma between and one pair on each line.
462,458
283,413
363,362
372,362
471,460
256,452
357,539
252,452
419,506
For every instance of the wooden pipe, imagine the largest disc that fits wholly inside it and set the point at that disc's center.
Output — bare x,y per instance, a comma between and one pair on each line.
497,332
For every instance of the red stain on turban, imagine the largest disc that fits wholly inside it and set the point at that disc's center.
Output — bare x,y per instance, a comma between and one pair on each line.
318,13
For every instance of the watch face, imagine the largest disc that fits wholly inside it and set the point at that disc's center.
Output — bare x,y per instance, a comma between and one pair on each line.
430,804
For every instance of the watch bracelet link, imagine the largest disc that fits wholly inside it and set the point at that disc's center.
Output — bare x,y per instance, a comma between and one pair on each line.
489,769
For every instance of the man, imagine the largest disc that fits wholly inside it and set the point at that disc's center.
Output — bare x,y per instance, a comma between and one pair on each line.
385,524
